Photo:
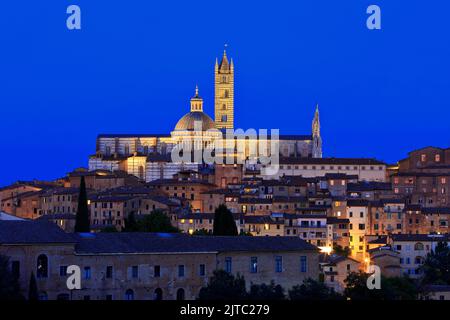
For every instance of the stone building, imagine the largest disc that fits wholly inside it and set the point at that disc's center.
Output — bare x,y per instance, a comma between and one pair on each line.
365,169
146,266
423,177
336,269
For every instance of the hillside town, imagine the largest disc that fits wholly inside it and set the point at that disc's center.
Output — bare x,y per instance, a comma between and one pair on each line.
344,215
140,225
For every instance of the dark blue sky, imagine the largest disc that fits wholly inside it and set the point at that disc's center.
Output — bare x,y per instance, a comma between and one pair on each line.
134,65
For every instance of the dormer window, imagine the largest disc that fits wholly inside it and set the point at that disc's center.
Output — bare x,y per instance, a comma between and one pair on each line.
423,157
437,158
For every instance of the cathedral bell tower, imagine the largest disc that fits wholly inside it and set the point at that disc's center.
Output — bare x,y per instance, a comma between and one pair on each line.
224,93
316,138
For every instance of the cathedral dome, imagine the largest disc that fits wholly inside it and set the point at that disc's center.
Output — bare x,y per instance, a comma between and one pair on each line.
187,122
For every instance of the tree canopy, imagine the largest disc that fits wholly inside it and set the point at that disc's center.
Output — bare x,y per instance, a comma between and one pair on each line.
9,284
224,224
157,221
312,289
394,288
436,268
224,286
82,223
266,292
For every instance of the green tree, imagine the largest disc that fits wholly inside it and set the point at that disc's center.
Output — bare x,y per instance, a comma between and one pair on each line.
312,289
82,218
436,268
266,292
157,221
9,284
399,288
109,229
356,287
394,288
339,250
224,224
32,289
130,223
224,286
202,232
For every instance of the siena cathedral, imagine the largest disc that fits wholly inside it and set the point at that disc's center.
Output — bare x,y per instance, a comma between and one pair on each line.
149,156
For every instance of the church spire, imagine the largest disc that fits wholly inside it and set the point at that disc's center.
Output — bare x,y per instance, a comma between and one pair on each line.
224,64
316,122
316,137
196,102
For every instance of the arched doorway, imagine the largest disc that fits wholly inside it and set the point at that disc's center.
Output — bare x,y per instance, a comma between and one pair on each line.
180,294
129,295
63,296
158,294
43,295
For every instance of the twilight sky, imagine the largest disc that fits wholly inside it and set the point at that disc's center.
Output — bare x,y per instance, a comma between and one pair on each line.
134,64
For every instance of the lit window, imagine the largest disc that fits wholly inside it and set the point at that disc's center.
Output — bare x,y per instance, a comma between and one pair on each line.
278,264
254,265
303,264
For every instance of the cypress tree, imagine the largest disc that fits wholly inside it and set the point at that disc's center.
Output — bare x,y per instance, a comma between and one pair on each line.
224,224
82,219
32,290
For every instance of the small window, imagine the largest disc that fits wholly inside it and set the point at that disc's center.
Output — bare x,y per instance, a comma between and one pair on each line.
303,264
42,266
87,273
63,271
157,271
202,270
253,265
228,264
181,271
134,272
109,272
278,264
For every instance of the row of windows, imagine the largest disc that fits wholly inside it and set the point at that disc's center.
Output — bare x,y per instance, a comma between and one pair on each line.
129,295
288,167
278,264
42,268
58,199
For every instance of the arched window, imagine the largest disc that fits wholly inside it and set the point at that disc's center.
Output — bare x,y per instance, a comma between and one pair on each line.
129,294
224,107
180,294
226,94
418,246
63,296
43,295
42,266
418,260
158,294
